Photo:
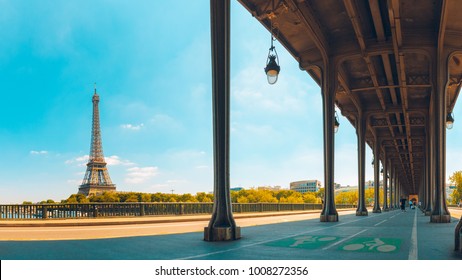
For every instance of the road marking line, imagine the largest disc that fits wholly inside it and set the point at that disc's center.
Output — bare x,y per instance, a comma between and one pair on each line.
344,239
413,253
380,222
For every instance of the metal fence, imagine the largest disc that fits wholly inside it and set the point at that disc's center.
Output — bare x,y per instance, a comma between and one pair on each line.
98,210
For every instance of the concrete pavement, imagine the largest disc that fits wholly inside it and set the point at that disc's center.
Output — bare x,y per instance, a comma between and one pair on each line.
393,235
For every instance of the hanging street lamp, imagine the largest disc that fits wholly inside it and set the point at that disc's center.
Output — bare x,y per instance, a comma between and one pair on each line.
272,68
272,64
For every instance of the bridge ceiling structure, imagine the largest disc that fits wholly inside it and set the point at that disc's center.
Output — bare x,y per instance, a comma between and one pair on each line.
387,56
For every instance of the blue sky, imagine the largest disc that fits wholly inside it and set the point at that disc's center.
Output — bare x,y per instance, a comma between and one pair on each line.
151,64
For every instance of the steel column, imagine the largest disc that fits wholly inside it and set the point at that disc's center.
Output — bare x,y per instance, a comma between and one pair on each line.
329,89
440,213
424,186
361,133
376,176
397,194
429,162
222,225
385,181
392,185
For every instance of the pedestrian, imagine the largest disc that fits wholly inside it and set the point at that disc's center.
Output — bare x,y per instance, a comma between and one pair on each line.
403,204
410,204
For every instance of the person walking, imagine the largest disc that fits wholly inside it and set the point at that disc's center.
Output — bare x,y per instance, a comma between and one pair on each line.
403,204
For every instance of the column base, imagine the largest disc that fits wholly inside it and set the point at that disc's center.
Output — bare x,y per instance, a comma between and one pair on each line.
377,211
428,212
222,234
440,218
386,209
361,213
329,218
458,235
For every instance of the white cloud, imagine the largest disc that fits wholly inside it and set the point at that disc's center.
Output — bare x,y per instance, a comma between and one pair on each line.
38,152
116,160
80,161
137,175
82,158
111,160
132,127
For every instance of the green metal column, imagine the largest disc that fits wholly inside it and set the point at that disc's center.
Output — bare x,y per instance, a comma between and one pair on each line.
361,133
222,225
440,212
385,181
376,175
329,89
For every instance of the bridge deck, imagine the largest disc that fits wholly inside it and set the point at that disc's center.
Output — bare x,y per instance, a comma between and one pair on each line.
393,235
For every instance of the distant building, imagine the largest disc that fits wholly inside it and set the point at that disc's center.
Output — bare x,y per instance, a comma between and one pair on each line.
236,189
346,189
270,188
305,186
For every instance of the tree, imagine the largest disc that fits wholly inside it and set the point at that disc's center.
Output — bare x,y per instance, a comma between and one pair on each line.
132,198
187,197
76,198
347,197
456,179
204,197
106,197
310,197
144,197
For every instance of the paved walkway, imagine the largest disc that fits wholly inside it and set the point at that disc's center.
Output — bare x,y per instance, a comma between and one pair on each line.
393,235
139,219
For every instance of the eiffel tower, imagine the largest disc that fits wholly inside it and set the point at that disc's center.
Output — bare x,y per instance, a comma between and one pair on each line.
96,180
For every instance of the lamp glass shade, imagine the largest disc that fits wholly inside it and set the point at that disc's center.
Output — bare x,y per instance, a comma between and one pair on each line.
449,121
336,124
272,77
272,70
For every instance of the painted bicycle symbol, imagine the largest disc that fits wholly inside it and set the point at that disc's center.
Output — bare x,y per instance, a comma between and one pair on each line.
375,244
311,239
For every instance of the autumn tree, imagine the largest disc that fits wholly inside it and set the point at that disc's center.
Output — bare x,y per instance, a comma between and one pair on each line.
456,179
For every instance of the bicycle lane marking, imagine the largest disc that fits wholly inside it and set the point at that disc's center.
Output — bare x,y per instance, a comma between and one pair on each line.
413,253
344,239
271,240
389,245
